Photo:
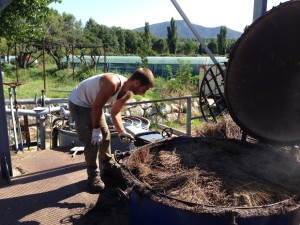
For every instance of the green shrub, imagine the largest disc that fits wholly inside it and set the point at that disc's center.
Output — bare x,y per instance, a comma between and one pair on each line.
84,72
9,70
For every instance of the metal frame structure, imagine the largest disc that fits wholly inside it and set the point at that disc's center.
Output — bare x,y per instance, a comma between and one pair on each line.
44,43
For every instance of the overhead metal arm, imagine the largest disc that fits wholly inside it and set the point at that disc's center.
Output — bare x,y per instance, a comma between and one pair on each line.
206,49
260,8
4,3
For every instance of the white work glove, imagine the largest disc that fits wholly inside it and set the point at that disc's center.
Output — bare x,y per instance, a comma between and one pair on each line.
96,136
125,137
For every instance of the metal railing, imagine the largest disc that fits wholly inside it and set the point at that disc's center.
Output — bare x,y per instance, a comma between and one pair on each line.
189,117
40,115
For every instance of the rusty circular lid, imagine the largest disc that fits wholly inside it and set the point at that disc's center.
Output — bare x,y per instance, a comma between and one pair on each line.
262,82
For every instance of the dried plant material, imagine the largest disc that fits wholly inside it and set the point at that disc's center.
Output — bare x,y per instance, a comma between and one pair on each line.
224,128
218,172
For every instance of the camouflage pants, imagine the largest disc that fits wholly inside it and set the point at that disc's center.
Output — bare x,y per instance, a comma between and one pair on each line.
83,123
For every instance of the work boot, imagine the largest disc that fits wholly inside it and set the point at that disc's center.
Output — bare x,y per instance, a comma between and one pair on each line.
96,183
110,168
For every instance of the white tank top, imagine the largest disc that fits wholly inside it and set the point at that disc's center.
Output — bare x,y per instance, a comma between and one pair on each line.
86,91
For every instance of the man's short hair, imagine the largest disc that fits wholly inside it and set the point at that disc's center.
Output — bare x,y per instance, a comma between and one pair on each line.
144,75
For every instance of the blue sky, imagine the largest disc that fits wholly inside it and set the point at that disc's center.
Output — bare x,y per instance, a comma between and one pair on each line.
130,14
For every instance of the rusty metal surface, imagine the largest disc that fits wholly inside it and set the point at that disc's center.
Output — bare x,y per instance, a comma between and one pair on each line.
52,190
262,84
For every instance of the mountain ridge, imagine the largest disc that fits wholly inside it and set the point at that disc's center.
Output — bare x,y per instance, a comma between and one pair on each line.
160,30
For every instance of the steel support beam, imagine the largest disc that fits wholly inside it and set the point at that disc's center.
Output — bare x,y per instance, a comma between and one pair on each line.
260,8
4,3
5,159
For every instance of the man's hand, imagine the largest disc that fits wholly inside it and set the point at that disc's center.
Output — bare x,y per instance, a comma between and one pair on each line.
125,137
96,136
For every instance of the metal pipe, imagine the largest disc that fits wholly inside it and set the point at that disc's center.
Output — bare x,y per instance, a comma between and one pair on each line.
40,100
43,98
56,100
73,65
16,63
26,129
44,62
42,132
23,101
13,120
20,143
33,112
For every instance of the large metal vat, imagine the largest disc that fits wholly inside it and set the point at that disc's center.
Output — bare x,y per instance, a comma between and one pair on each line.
149,205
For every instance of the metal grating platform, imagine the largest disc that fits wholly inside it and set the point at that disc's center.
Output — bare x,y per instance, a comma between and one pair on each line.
52,190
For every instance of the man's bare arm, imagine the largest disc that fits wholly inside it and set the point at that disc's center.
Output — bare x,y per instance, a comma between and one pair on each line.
116,113
108,87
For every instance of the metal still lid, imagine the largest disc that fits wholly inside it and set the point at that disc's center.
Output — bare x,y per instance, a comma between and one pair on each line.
262,82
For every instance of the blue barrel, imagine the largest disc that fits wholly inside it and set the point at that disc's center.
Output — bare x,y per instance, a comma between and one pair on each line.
145,211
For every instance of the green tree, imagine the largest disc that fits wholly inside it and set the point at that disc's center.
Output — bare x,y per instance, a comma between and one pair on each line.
90,31
121,39
90,44
22,21
147,36
172,39
63,33
71,34
53,36
90,34
131,42
143,49
230,45
109,38
5,48
200,49
188,47
160,46
222,43
213,47
182,83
